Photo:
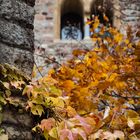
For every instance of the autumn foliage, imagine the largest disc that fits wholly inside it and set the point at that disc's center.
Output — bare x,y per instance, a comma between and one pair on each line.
95,95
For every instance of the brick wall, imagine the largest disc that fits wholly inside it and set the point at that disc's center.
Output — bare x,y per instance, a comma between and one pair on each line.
47,22
44,22
130,12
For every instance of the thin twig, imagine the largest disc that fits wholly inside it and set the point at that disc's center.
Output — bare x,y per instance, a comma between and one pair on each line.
54,61
38,69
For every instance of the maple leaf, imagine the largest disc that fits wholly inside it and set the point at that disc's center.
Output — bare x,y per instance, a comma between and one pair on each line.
84,124
79,131
71,111
68,85
56,102
53,133
37,109
47,124
66,134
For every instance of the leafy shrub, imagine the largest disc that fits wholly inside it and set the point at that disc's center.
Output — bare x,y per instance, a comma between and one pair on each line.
96,95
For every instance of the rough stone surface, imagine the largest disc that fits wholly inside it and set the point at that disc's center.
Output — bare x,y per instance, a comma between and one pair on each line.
16,48
22,59
16,33
19,11
17,125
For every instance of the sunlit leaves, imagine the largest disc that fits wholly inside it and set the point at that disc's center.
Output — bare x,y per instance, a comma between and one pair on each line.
96,94
47,124
37,109
108,135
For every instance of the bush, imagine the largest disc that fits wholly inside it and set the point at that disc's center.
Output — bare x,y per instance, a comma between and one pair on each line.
96,95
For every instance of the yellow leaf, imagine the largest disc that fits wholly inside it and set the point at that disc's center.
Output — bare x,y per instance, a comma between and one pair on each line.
46,135
126,41
118,38
120,84
56,102
55,91
94,83
104,65
53,133
68,85
96,23
34,71
112,77
37,109
71,111
131,114
78,52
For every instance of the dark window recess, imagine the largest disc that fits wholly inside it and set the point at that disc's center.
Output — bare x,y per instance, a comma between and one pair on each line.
72,27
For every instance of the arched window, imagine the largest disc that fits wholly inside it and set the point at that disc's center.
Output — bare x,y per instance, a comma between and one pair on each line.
100,7
72,23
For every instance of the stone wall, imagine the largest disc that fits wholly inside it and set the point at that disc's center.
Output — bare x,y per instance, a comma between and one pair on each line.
44,22
16,125
56,54
48,15
16,122
16,33
130,12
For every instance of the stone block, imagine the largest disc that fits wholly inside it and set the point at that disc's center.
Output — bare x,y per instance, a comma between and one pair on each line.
22,119
15,35
17,133
21,59
17,11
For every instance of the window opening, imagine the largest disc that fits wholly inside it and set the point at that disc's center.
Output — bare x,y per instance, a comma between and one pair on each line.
72,20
